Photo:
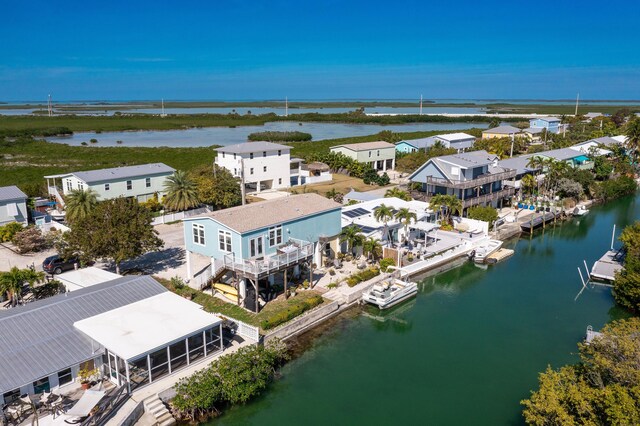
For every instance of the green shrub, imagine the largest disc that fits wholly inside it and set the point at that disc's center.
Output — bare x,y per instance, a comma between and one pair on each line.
295,308
385,263
484,213
616,188
280,136
365,275
8,231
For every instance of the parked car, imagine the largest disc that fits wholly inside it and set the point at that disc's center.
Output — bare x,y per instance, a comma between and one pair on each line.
56,264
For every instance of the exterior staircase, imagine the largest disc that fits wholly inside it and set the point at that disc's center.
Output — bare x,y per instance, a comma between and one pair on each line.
156,408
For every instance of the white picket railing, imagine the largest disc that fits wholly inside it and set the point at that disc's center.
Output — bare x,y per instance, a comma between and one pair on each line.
172,217
248,331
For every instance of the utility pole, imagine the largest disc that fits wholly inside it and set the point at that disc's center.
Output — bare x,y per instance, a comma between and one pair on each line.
513,139
242,189
577,102
420,104
49,106
286,106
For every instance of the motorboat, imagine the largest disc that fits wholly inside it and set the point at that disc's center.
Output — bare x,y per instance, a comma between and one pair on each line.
389,292
56,215
484,251
580,211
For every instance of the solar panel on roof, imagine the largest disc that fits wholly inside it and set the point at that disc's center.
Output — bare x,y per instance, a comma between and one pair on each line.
355,212
366,229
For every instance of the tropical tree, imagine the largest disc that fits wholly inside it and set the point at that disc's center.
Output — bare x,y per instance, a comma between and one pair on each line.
397,193
219,189
447,204
11,282
405,216
182,192
528,184
79,204
384,214
632,132
372,248
352,236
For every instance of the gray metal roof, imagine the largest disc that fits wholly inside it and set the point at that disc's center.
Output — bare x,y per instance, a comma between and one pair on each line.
503,130
12,192
247,147
469,159
534,130
123,172
560,154
39,339
605,140
421,143
547,119
518,163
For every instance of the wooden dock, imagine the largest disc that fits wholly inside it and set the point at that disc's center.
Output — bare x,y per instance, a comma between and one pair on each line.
499,256
539,221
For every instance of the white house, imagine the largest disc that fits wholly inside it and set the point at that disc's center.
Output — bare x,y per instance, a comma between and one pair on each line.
266,165
142,181
13,205
459,141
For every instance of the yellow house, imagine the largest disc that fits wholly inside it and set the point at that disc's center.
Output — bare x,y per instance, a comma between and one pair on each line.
502,132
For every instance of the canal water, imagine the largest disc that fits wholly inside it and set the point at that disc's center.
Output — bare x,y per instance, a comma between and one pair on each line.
208,136
465,352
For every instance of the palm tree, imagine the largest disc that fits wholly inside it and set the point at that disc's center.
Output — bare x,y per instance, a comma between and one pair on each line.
182,192
448,204
352,236
372,248
79,204
11,282
384,213
632,132
406,216
397,193
528,184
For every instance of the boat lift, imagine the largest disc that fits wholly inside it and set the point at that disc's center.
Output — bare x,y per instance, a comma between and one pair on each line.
611,260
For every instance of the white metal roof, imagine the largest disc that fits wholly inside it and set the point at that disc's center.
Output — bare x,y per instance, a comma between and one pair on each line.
86,277
141,327
453,137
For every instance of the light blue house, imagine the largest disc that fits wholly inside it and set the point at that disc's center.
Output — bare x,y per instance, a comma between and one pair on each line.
254,243
552,124
13,205
413,145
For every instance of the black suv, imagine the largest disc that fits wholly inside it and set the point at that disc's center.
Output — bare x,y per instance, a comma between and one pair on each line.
56,264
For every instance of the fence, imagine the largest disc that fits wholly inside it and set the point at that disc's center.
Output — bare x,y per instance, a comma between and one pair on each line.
200,279
244,330
172,217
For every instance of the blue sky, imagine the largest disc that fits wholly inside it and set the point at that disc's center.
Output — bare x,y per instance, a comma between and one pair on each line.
122,50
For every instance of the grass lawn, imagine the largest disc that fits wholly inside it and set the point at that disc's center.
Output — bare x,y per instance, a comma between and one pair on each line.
216,305
341,183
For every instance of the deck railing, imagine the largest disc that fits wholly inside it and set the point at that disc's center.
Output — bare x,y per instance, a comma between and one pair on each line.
470,201
54,192
272,263
478,181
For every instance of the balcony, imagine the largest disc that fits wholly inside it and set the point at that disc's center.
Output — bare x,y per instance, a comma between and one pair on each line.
479,181
292,253
470,201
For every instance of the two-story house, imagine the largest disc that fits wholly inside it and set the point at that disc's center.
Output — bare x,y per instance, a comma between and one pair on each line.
473,177
259,242
380,155
502,132
458,141
552,124
143,182
266,165
13,205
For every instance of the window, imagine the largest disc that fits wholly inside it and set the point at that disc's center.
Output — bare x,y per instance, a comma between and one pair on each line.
159,363
251,171
64,377
264,168
279,152
378,154
139,372
196,346
69,186
80,186
129,185
41,385
279,181
234,155
198,233
224,241
275,235
11,396
223,155
369,153
106,187
147,182
255,247
251,156
455,171
212,336
264,153
178,353
235,172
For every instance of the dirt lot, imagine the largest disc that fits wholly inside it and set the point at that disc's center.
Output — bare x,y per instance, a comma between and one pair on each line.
341,183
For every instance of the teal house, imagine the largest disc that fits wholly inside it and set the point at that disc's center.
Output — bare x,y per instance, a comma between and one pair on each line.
253,246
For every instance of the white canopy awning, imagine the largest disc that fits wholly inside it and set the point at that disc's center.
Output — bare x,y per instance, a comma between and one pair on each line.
142,327
424,226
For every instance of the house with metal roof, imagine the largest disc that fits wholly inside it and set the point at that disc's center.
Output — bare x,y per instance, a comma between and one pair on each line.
573,157
13,205
413,145
131,329
142,181
261,165
473,177
380,155
551,124
458,141
502,132
258,242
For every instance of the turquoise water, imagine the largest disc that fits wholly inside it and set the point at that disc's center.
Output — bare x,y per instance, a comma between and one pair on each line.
465,352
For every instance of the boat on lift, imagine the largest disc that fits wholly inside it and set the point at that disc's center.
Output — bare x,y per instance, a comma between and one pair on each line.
482,252
390,291
580,211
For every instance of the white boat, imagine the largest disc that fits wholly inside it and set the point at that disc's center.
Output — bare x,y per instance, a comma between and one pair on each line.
389,292
580,211
56,214
486,250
